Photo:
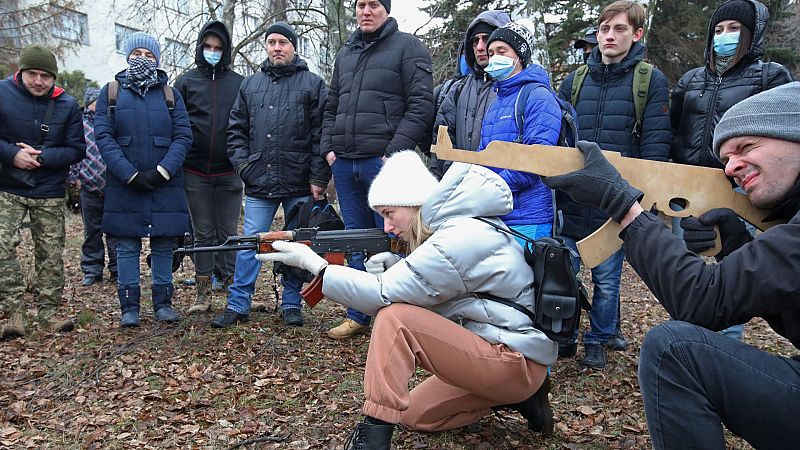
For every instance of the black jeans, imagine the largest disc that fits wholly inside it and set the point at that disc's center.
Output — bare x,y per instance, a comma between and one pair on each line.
93,252
215,204
694,380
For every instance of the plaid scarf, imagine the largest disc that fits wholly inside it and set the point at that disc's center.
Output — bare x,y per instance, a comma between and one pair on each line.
142,73
91,170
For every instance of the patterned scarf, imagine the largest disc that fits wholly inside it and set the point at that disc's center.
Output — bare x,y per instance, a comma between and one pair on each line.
142,73
722,63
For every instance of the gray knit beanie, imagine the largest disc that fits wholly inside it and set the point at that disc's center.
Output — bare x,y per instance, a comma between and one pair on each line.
774,114
143,40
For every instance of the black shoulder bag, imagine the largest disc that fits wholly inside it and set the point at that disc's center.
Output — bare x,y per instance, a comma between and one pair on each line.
12,176
559,295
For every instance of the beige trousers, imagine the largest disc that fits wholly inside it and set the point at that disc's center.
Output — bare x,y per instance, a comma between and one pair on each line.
470,375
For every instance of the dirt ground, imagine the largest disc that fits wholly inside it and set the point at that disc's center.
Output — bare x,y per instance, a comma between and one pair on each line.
263,385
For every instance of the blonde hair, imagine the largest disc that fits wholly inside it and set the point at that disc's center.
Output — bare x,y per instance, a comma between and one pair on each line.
418,232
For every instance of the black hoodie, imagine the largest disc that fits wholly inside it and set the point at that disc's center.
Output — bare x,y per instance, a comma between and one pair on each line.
209,92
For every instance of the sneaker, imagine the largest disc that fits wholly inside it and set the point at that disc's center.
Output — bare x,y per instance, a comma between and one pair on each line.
91,280
536,409
347,329
15,327
229,318
594,356
567,349
617,342
292,317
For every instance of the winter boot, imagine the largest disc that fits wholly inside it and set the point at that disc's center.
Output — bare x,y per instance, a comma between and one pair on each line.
537,410
202,302
370,436
162,303
15,327
129,305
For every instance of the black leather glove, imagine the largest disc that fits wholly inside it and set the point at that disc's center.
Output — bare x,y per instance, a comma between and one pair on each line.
699,233
598,184
140,183
154,178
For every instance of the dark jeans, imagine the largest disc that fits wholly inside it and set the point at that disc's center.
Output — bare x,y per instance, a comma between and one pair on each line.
694,380
215,204
93,251
353,178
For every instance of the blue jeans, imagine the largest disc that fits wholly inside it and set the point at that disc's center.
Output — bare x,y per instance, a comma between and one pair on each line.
694,380
604,316
258,215
353,178
128,252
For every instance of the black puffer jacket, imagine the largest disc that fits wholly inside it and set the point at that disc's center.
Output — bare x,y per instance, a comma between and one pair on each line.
606,115
274,131
381,96
21,116
209,92
701,97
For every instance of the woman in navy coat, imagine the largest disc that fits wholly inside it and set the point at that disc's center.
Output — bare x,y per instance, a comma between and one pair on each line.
144,141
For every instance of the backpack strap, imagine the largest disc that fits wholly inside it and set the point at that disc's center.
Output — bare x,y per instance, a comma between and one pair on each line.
519,109
113,92
446,86
641,84
169,97
577,82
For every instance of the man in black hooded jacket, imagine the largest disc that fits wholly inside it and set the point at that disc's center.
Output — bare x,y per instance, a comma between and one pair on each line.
213,189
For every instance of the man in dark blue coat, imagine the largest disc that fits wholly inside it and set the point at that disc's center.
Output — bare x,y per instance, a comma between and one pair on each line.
606,115
41,135
380,102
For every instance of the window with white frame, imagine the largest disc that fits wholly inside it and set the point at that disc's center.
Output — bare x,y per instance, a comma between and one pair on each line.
70,25
176,54
121,33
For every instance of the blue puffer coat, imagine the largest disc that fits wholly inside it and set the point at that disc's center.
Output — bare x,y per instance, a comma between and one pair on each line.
138,137
533,202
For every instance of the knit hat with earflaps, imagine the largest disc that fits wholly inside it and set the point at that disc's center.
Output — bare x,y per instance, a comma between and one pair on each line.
38,57
403,181
774,114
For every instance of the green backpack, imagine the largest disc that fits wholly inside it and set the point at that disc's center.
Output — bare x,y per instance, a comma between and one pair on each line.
641,83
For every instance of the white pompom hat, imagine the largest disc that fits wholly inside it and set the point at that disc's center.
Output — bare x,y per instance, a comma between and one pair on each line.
403,181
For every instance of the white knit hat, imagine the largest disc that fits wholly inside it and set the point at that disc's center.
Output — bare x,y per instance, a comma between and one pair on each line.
403,181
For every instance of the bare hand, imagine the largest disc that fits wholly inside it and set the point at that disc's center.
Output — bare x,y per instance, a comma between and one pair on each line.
331,158
25,158
317,192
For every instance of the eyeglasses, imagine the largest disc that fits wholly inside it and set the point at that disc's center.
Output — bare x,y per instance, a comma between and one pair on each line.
478,39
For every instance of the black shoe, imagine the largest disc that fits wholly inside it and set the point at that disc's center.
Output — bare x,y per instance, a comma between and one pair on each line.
90,280
292,317
369,436
567,349
229,318
617,342
536,409
594,356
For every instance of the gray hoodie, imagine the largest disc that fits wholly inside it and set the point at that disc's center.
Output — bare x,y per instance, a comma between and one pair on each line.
463,256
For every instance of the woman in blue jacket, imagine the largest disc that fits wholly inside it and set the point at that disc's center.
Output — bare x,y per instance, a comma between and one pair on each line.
144,141
511,68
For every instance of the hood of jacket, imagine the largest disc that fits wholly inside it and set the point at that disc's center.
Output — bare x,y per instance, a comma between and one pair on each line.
219,30
494,18
756,50
467,190
16,78
633,57
534,73
297,63
357,38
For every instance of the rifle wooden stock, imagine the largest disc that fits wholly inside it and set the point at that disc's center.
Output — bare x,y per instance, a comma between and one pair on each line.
332,245
697,189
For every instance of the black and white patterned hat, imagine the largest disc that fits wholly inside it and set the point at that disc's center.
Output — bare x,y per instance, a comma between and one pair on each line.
518,36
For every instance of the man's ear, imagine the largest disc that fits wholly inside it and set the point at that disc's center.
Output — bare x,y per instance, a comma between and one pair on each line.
638,34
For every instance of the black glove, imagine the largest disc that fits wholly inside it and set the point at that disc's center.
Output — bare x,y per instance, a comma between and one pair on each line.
699,234
598,184
154,178
140,183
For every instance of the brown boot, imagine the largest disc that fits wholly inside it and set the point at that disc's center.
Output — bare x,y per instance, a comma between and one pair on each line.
347,329
202,302
15,327
58,326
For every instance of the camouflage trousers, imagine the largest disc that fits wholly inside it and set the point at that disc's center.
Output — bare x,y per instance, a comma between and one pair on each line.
47,230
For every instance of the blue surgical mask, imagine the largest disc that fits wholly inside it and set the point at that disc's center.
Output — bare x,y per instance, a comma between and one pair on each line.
212,57
725,44
500,67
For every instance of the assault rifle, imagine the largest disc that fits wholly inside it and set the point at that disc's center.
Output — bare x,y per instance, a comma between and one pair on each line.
331,245
695,189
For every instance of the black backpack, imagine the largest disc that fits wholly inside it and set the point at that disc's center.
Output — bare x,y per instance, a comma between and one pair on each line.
317,214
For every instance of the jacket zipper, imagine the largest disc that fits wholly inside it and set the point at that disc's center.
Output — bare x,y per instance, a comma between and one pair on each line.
709,117
213,119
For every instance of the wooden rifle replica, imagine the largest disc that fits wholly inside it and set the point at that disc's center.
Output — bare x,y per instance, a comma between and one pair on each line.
332,245
696,189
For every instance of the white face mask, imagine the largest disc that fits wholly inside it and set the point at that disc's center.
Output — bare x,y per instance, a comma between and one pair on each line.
500,67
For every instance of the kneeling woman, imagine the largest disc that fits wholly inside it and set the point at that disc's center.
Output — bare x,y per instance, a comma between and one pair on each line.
482,354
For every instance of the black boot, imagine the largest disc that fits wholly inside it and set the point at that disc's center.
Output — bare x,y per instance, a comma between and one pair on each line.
370,436
162,303
536,409
129,305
